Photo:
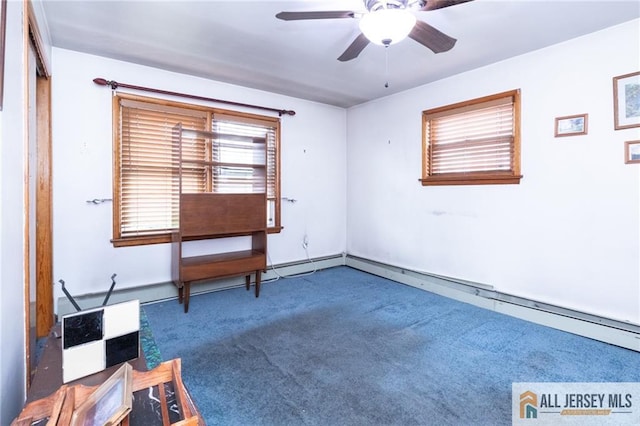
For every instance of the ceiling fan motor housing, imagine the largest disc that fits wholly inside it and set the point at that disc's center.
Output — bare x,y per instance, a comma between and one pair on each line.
388,22
373,5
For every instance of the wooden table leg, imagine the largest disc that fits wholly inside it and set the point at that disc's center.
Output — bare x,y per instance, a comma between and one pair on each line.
186,297
257,283
180,294
247,279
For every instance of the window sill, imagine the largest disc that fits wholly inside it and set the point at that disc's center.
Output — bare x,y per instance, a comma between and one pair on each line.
142,240
471,180
275,229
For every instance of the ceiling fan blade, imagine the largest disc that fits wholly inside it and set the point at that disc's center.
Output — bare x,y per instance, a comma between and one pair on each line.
328,14
439,4
432,38
354,48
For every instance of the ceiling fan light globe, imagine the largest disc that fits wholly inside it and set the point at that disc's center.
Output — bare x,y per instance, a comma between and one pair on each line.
383,25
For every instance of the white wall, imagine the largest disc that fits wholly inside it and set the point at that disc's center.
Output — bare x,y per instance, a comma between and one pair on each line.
313,168
12,243
568,235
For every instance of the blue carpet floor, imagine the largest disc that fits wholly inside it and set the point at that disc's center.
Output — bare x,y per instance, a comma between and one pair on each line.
342,347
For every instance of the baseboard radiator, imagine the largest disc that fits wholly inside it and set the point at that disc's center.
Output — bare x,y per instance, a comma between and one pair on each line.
167,290
607,330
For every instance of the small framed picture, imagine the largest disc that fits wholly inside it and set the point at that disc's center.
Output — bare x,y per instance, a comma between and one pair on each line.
110,403
632,152
571,125
626,101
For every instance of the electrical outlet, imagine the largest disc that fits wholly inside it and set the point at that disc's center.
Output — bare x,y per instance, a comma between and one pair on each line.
305,241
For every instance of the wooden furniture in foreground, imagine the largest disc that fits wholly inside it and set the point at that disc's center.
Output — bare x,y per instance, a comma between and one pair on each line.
160,398
238,211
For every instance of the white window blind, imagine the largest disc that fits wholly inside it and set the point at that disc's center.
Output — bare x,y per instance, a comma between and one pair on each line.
234,146
242,140
471,140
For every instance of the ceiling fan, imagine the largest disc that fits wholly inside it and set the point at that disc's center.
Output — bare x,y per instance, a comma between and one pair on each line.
387,22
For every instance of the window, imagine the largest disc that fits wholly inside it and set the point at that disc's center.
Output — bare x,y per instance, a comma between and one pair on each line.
146,185
473,143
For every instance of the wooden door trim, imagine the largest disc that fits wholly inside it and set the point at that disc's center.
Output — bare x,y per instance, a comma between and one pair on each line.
45,316
44,234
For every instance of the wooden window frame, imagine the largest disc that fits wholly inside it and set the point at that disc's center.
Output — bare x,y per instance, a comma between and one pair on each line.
161,237
491,177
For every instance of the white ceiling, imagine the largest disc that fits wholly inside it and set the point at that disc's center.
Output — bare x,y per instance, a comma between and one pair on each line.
241,42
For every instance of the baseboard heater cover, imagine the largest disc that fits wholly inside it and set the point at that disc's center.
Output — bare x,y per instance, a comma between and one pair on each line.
157,292
608,330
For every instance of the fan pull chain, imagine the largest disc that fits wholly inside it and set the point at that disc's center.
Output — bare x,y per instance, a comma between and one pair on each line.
386,65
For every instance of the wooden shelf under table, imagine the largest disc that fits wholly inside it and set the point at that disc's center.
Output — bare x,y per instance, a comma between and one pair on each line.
221,265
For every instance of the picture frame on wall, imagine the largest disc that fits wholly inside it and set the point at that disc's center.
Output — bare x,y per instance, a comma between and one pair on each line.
632,152
626,101
571,125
